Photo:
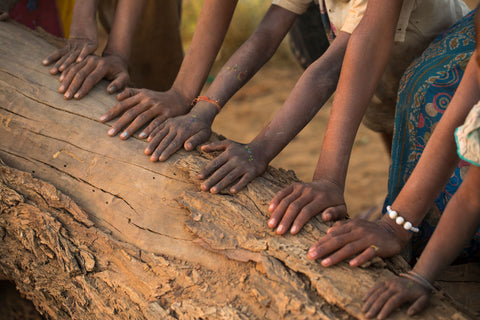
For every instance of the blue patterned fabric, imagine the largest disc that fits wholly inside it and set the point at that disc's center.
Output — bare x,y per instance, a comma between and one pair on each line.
425,91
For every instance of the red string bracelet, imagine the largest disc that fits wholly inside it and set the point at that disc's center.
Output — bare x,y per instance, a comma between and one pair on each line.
207,99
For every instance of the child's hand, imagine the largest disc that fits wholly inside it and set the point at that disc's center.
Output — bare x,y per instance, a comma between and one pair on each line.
139,106
189,131
75,50
387,296
78,79
356,237
299,202
238,161
3,15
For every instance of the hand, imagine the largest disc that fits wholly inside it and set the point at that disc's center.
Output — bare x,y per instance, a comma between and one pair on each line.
356,236
299,202
238,161
75,50
78,79
189,130
3,15
387,296
139,106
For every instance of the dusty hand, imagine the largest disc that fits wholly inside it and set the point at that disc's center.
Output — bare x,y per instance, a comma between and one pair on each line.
356,237
139,106
75,50
78,79
189,131
238,161
299,202
3,15
387,296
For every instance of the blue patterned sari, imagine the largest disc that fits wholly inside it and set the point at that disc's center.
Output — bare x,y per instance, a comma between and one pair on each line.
425,91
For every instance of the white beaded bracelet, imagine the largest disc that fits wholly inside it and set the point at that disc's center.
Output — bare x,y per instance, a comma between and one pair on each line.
407,225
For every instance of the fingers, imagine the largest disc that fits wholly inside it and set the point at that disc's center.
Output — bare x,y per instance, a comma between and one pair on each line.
54,57
394,301
334,213
308,211
118,83
86,84
127,93
73,78
150,129
56,68
224,177
281,200
347,250
278,198
139,121
198,138
154,140
419,305
168,146
86,50
215,164
215,146
334,240
246,179
378,302
119,108
367,255
291,213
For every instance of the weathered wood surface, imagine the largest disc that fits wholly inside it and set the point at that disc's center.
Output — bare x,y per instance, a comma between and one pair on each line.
147,243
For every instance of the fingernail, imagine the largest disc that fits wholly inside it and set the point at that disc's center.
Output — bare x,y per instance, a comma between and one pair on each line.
67,95
111,132
53,71
188,146
280,229
271,207
124,134
312,254
102,118
203,187
142,135
294,230
77,95
112,89
213,190
271,223
61,77
327,217
62,88
326,262
45,61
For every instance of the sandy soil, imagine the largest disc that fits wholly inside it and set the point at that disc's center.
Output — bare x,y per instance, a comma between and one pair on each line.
256,103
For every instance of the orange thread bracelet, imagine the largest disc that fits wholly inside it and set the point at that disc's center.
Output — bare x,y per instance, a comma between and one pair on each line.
207,99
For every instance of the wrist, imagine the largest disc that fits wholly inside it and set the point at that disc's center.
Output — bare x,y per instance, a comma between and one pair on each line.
204,111
396,230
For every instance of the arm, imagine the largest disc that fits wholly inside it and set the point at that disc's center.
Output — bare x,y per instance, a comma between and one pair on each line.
456,227
435,166
312,90
77,80
243,64
145,105
82,39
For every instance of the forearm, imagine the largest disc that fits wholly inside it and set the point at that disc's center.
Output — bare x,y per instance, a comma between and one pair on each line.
439,158
84,19
312,90
367,54
457,225
127,17
212,26
253,54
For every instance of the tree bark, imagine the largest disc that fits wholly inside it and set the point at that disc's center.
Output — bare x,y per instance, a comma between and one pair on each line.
120,237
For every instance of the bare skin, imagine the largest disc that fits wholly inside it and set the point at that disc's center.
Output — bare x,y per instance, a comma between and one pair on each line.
368,52
457,226
428,178
243,64
80,70
138,107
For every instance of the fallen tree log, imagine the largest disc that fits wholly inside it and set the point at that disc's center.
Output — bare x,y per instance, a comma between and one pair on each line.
124,238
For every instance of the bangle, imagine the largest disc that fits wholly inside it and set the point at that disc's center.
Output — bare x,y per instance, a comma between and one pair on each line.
207,99
407,225
418,278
